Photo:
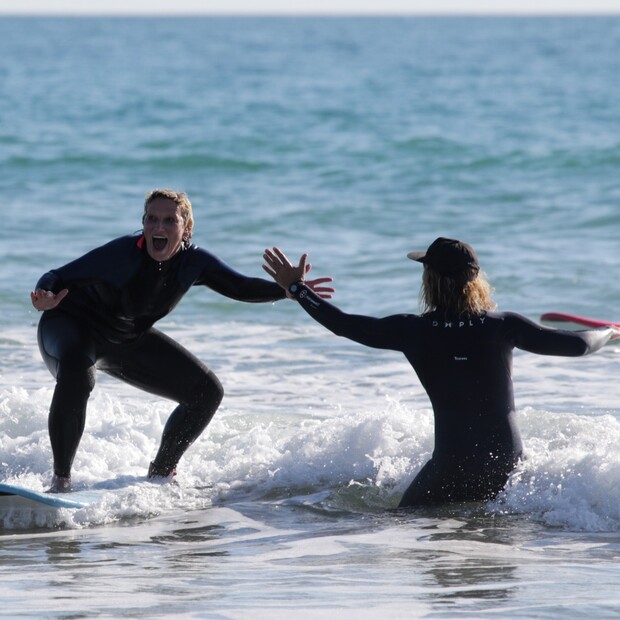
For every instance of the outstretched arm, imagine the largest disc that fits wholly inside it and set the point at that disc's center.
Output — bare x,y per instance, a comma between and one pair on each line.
284,273
386,333
535,338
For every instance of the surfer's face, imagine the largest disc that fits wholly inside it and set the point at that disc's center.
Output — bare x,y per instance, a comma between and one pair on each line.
163,229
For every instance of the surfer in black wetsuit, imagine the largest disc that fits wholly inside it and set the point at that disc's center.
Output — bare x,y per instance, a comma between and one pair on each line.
461,350
99,312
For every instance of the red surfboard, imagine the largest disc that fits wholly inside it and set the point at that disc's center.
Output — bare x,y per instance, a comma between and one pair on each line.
561,317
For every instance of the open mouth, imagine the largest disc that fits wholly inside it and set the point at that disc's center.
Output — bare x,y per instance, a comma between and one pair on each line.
159,243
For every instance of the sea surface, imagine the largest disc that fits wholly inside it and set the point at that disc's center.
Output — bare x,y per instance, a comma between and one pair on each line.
356,140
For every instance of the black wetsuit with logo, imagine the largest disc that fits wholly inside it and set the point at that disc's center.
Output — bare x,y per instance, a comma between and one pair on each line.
465,366
116,294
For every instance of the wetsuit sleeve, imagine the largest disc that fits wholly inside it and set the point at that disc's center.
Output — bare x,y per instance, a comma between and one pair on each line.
113,262
535,338
49,281
223,279
385,333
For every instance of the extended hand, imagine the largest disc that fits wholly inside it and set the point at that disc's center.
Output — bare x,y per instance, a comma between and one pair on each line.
46,300
280,268
324,292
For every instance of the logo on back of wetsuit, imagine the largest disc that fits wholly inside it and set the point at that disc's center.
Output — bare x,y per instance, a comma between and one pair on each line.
458,324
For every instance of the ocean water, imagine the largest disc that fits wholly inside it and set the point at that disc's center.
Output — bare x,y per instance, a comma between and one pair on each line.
355,140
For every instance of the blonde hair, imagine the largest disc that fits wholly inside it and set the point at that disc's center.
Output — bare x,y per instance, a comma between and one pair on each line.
468,294
181,200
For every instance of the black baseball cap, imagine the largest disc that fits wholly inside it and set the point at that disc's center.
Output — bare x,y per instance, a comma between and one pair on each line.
449,257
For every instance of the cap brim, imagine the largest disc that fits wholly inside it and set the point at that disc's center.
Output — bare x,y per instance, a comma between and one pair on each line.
416,255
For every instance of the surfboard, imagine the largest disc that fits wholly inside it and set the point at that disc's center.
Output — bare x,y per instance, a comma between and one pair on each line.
12,495
575,319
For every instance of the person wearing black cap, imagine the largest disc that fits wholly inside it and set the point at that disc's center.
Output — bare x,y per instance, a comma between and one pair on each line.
461,349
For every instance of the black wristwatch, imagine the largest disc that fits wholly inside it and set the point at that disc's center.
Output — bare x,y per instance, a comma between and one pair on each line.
294,288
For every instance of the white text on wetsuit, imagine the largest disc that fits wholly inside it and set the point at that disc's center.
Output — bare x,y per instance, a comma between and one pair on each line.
468,323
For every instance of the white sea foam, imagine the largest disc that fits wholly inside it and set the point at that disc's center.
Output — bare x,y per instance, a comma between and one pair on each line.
355,458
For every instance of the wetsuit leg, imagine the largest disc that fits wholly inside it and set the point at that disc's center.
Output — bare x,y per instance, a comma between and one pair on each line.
421,491
439,483
68,351
159,365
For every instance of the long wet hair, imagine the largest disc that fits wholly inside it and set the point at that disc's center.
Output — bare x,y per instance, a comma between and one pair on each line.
182,201
469,293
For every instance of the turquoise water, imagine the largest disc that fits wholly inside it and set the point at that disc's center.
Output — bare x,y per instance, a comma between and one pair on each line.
357,140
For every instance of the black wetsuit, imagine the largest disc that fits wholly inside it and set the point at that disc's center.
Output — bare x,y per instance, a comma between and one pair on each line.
465,366
116,294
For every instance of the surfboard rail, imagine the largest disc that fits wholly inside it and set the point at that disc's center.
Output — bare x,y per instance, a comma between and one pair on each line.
562,317
9,492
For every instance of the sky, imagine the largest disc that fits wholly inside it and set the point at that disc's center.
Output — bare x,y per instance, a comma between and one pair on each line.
107,7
